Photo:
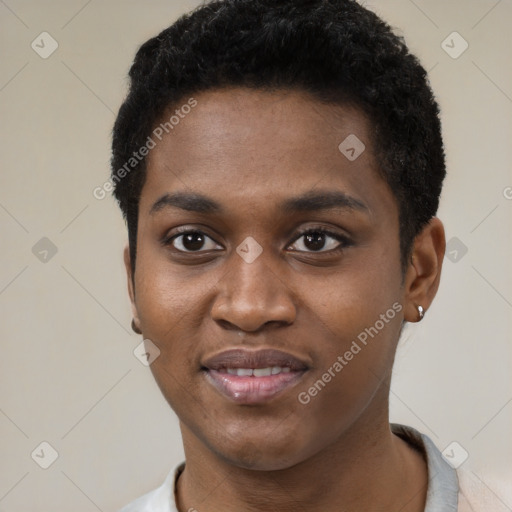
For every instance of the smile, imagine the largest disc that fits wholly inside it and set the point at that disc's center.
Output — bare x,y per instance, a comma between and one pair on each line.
256,372
248,377
249,389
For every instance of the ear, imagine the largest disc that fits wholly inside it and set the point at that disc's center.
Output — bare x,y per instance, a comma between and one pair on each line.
131,289
424,270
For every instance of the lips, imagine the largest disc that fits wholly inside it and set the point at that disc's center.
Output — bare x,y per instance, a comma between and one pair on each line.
237,358
252,377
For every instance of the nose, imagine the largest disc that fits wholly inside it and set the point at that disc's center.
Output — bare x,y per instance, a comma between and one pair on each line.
252,295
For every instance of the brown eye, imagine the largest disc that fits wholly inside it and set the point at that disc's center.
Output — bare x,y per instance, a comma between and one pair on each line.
192,241
314,241
318,240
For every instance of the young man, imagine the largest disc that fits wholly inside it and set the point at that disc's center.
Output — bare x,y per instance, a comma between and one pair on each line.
279,165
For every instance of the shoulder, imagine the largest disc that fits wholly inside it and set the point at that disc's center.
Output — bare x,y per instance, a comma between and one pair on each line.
482,492
463,489
158,500
143,504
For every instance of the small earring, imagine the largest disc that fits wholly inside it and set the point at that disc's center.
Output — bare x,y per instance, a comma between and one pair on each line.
421,313
135,328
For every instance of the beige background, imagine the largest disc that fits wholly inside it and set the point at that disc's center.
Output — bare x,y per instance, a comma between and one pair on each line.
68,375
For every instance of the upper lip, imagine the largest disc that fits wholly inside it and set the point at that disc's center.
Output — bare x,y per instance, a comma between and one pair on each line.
262,358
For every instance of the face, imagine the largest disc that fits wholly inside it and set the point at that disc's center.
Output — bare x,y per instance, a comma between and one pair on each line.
268,275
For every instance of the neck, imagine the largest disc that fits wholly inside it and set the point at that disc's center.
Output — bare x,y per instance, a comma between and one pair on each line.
366,468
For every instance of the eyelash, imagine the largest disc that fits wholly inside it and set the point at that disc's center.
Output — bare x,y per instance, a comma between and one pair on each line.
343,240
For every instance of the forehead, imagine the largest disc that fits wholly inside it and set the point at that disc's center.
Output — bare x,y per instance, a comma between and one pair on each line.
255,146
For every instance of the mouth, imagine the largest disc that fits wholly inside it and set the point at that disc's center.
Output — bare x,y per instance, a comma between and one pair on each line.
253,377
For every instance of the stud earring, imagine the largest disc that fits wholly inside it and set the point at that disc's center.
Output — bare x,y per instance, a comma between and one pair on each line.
135,328
421,313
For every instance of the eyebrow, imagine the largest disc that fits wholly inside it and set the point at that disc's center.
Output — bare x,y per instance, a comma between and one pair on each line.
308,202
323,200
187,201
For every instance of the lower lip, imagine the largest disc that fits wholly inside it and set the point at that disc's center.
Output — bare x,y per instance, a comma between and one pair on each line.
252,390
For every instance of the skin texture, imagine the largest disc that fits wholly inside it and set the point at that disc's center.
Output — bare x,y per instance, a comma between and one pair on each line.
249,151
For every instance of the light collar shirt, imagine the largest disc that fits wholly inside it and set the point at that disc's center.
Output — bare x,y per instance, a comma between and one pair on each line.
449,490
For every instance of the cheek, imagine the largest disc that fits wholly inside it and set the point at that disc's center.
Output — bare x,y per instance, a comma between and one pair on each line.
168,308
351,301
168,312
358,317
353,373
165,296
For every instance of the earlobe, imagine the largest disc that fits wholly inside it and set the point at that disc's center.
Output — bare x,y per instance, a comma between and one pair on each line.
131,289
424,271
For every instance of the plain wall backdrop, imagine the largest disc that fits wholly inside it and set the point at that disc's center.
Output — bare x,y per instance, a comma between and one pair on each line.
68,374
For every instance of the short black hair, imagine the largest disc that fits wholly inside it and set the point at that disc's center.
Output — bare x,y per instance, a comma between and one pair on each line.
335,50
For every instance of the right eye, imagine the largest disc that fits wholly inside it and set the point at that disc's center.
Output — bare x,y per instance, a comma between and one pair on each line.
191,241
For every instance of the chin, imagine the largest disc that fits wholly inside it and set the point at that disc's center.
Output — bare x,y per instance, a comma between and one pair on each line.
260,461
263,452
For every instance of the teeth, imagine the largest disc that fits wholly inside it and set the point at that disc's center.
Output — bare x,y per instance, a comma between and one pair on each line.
262,372
257,372
244,372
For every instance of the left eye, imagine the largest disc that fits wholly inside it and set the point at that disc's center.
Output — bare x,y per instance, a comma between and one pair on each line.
193,241
318,241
